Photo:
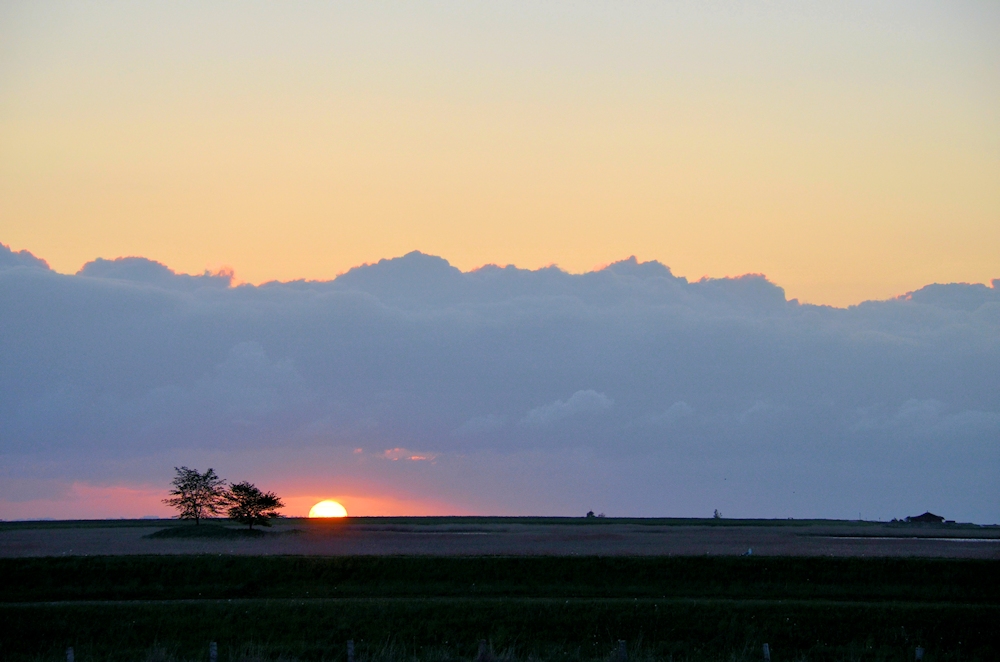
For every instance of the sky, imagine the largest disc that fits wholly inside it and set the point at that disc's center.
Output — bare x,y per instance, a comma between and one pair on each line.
648,259
849,151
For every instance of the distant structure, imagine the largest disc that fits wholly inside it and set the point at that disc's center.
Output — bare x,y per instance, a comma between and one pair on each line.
926,518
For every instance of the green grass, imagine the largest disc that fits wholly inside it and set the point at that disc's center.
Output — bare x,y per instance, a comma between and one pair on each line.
542,608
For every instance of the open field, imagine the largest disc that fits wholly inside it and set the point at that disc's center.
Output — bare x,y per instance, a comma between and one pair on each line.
427,594
513,536
549,608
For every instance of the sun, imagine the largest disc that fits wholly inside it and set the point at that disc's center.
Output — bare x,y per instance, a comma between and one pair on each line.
328,508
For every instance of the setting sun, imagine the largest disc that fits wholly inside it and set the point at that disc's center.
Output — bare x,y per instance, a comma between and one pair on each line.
328,508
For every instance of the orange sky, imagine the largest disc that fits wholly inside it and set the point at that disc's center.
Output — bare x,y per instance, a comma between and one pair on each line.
848,152
88,501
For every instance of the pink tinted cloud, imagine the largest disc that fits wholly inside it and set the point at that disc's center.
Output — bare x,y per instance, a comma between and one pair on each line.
395,454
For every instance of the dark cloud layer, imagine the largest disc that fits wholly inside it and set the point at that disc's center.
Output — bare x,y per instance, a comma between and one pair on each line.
628,389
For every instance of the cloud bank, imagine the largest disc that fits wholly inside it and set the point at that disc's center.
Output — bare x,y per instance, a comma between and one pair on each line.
627,390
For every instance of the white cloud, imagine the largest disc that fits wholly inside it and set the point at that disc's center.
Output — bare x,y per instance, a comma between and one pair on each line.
581,402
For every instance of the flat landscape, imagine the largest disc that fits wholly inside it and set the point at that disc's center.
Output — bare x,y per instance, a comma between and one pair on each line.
539,589
512,536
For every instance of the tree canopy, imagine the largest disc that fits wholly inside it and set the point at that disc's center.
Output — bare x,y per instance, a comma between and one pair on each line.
247,504
196,495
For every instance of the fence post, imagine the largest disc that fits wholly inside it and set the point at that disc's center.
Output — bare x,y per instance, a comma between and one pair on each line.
350,650
213,652
767,653
484,653
69,654
920,653
622,654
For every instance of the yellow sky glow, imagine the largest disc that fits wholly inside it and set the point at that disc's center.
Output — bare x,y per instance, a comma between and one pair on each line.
847,153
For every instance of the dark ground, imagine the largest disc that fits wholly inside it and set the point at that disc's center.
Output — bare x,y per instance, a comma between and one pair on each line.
514,536
431,605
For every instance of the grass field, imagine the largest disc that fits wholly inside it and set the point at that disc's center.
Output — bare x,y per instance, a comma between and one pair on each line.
503,536
546,608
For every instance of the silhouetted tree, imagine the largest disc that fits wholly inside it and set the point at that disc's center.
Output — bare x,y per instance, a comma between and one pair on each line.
196,495
248,505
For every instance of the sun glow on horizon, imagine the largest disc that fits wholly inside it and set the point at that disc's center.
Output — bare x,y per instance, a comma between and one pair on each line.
328,508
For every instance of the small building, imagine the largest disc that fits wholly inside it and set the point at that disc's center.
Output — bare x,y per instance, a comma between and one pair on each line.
926,518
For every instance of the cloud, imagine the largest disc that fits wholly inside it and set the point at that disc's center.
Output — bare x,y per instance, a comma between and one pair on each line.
718,393
759,410
675,412
924,418
141,270
581,402
10,259
395,454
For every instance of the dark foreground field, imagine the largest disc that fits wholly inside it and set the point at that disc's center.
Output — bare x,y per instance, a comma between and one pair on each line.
525,607
506,536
